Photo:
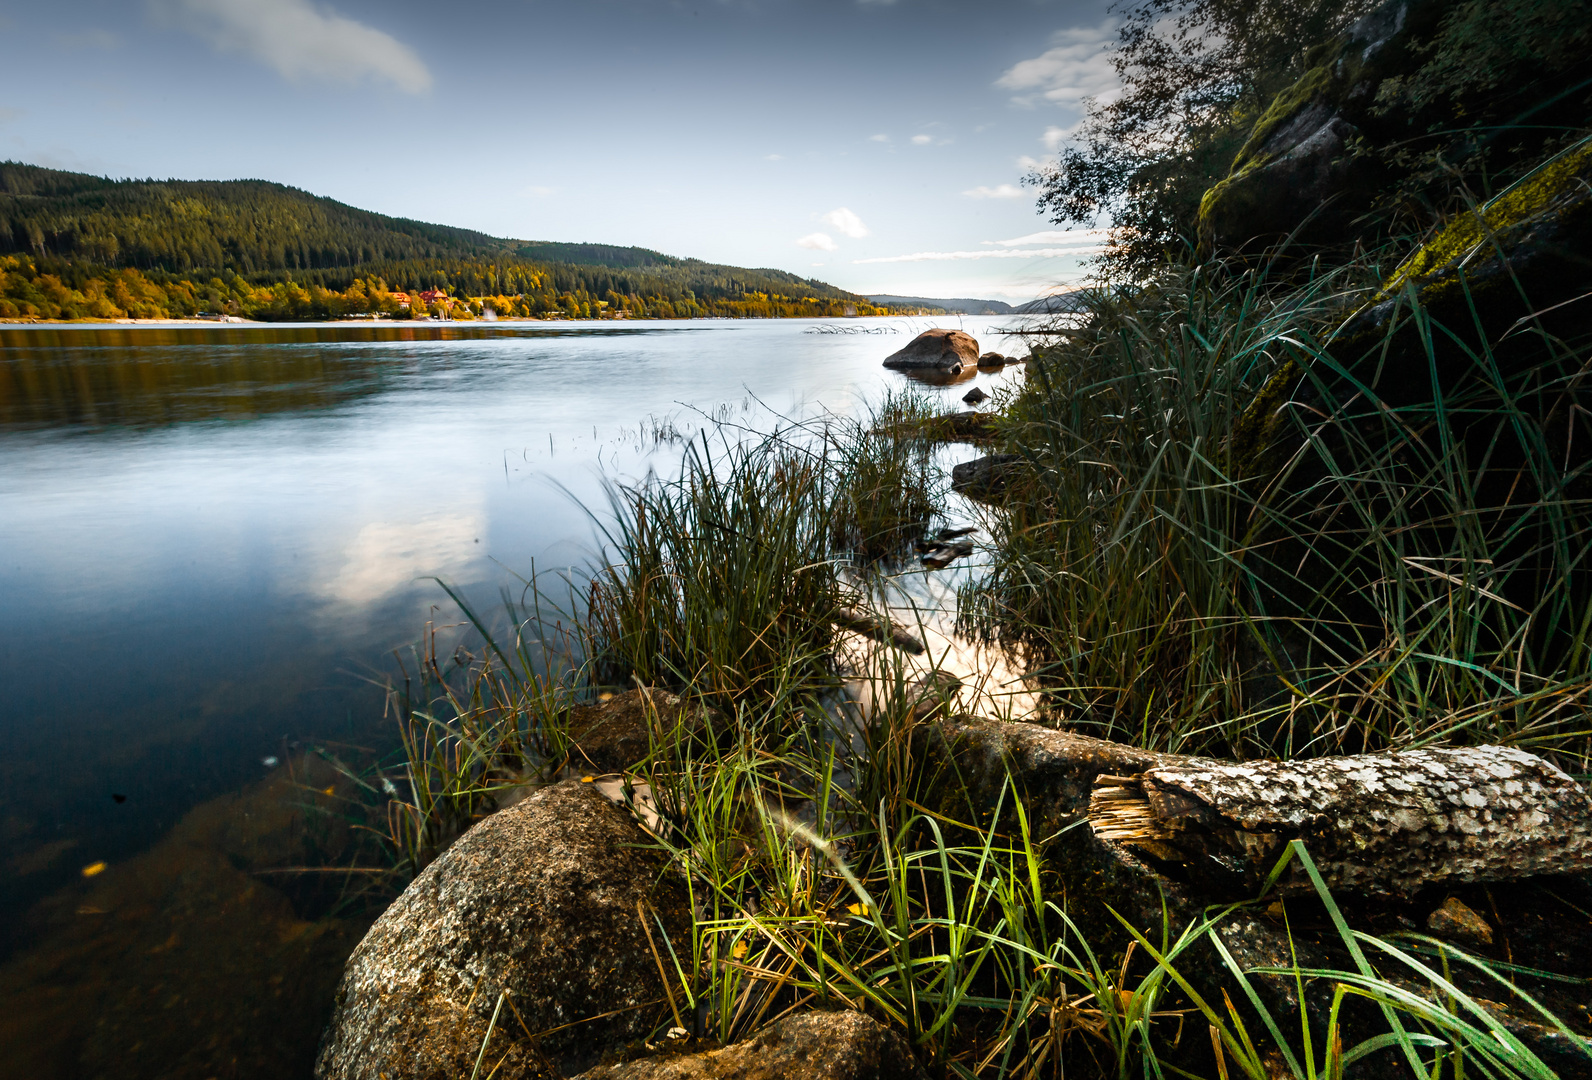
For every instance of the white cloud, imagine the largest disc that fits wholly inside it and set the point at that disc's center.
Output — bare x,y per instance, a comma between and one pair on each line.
1029,164
1054,136
846,223
301,41
1053,236
1075,67
961,256
773,157
922,140
878,138
817,241
1000,191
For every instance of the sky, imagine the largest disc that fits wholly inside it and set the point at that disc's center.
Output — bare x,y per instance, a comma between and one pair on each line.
879,145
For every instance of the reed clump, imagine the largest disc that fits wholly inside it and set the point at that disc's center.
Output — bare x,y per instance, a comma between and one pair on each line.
725,578
1244,536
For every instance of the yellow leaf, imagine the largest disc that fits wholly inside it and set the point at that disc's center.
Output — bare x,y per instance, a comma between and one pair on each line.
93,868
859,909
738,950
587,779
329,791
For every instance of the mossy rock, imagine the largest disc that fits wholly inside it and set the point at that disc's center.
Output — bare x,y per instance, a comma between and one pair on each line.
1299,172
1501,280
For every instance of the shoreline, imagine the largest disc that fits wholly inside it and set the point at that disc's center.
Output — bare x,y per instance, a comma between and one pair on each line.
237,321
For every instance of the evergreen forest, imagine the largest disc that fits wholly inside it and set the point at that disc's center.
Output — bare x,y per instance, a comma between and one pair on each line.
77,246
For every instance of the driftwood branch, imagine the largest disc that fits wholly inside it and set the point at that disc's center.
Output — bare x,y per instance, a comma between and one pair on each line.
1383,823
879,629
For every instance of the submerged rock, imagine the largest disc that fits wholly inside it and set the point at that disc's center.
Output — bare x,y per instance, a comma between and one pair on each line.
985,478
808,1046
942,555
531,916
949,427
994,360
975,395
946,351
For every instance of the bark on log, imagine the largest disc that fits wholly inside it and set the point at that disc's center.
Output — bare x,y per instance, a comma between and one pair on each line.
1382,823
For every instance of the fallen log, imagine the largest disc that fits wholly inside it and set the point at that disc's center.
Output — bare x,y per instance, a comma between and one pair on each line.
884,630
1385,824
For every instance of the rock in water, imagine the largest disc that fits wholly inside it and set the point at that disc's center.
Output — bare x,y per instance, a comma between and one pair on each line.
974,396
534,907
993,360
985,478
807,1046
942,350
942,555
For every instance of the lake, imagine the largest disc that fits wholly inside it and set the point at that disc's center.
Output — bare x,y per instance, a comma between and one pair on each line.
212,539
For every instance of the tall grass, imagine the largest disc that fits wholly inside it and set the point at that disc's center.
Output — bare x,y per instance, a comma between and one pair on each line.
719,581
476,728
724,578
1374,572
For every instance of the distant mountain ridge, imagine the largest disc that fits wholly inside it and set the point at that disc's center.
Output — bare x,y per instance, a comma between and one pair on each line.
266,232
960,306
1058,304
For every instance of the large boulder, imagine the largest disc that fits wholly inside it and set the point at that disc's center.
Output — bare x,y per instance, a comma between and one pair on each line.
807,1046
947,351
531,916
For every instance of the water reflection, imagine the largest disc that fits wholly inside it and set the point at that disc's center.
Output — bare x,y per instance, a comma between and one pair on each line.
386,558
143,376
937,377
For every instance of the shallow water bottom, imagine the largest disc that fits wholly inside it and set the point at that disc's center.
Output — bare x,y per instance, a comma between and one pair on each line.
209,955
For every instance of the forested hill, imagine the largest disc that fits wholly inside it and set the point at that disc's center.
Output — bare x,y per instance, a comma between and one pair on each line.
77,227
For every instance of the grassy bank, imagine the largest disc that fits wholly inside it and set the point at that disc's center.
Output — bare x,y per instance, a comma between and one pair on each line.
1376,570
1359,592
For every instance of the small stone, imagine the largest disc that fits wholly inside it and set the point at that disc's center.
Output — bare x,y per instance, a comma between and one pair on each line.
1457,922
974,396
985,478
616,732
942,555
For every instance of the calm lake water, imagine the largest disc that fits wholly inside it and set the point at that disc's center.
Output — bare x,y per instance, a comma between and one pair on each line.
211,539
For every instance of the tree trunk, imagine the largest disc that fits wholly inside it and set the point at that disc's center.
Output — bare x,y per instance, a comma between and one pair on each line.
1381,823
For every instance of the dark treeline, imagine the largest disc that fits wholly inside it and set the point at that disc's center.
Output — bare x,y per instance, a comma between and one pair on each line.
226,245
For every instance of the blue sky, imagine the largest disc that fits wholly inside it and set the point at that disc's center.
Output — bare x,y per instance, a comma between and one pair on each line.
876,145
